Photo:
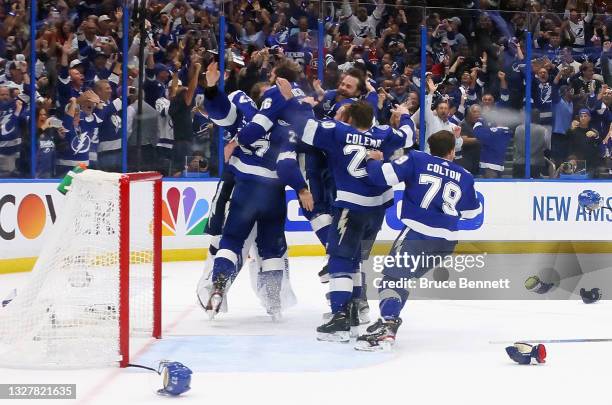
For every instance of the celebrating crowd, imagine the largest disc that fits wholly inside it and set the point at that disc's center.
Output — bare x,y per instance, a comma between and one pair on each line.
475,77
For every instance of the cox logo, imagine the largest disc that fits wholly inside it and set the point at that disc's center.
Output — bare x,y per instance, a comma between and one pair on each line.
30,215
194,213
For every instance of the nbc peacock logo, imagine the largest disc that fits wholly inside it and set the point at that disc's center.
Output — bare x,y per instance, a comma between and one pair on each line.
190,220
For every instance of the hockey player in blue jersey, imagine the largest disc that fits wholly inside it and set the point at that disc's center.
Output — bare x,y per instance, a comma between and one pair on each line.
351,88
359,207
439,200
262,164
273,108
232,112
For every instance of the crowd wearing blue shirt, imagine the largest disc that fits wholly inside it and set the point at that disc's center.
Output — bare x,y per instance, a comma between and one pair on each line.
476,54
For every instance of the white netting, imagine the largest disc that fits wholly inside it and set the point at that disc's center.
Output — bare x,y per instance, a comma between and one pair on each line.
67,315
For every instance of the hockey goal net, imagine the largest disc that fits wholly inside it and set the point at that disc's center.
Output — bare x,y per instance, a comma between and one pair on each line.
97,281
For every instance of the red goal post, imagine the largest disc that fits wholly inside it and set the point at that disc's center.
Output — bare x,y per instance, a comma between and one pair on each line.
124,257
97,281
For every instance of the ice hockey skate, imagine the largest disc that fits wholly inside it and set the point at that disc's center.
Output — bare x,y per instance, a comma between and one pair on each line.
380,336
337,329
215,300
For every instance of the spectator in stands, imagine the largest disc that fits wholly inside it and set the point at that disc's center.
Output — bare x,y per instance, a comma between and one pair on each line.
181,106
494,142
412,102
562,118
141,155
439,119
585,85
78,51
49,128
471,146
108,111
579,24
539,143
607,151
542,91
585,142
602,110
386,74
12,116
496,111
360,25
72,145
606,62
18,77
70,79
566,59
389,99
156,79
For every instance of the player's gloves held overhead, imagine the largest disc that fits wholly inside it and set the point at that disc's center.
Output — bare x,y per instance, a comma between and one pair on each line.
522,353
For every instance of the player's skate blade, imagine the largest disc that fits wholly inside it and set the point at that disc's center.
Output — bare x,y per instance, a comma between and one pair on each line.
380,336
214,304
216,298
337,329
381,346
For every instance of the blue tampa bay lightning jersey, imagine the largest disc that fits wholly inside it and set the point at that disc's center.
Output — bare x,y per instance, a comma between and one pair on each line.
10,124
231,112
79,140
439,196
331,106
268,156
347,149
275,106
493,145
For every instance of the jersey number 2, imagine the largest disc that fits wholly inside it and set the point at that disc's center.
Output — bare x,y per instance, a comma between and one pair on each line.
359,156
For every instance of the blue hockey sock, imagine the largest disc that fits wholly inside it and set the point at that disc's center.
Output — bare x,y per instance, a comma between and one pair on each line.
225,263
340,283
392,300
320,225
340,292
322,235
390,308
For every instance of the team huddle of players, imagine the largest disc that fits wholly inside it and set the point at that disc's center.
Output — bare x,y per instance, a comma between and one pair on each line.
339,163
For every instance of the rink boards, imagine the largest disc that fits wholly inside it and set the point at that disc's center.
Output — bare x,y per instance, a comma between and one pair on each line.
520,216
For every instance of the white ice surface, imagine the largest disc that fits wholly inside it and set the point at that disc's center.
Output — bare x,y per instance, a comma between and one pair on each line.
442,355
